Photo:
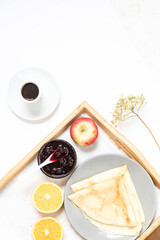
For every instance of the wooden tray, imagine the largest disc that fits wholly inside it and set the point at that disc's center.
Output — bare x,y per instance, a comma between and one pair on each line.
153,232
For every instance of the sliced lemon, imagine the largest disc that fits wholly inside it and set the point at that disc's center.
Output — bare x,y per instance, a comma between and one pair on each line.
47,197
47,228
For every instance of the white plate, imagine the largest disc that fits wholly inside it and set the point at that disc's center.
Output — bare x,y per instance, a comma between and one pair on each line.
143,184
48,102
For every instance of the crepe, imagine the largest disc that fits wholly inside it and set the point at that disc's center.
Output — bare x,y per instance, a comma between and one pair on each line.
109,200
116,230
106,202
101,177
111,174
134,196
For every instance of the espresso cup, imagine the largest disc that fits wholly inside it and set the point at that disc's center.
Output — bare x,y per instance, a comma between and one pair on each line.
30,92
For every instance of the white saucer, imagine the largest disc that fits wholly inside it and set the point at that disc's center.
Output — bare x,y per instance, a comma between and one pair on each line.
50,94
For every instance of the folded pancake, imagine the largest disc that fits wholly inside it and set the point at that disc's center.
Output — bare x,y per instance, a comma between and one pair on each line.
121,230
116,230
109,200
101,177
110,174
106,202
133,193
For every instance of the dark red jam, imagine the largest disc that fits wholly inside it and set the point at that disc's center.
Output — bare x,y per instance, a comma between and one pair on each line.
65,156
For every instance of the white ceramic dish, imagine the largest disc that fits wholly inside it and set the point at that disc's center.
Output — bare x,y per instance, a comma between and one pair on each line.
40,109
142,181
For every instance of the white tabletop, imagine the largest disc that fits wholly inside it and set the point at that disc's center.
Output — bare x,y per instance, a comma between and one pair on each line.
95,50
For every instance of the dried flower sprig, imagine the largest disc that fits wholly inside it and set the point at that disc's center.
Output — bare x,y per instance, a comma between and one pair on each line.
128,107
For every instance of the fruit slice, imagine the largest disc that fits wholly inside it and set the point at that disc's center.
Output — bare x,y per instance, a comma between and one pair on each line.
84,131
47,228
47,197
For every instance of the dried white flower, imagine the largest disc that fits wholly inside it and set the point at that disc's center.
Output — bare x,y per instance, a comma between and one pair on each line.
127,107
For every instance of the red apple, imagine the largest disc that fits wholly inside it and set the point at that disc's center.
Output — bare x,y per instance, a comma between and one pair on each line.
84,131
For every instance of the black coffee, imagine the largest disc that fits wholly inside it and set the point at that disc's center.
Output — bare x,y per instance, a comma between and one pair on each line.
30,91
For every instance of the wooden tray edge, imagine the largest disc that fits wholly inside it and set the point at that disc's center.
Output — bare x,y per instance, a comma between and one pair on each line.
150,230
115,135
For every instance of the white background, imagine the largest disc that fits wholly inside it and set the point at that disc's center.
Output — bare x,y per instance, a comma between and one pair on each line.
95,50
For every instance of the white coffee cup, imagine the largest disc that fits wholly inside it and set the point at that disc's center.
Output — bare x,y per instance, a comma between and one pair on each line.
30,92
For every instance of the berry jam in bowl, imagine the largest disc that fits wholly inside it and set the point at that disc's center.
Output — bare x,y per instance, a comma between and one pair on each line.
64,154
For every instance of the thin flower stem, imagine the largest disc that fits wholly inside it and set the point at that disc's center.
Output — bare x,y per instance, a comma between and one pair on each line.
139,108
147,128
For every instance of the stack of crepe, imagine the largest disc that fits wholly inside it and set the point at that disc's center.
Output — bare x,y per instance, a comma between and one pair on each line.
110,201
